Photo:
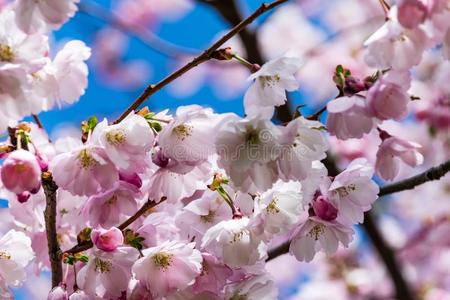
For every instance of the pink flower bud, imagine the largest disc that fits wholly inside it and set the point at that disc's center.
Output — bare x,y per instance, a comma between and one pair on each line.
324,209
23,197
58,293
107,239
21,172
411,13
132,178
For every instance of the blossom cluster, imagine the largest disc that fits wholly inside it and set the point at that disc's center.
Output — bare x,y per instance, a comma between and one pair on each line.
187,205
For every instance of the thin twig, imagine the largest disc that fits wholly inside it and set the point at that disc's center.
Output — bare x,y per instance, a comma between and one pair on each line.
143,34
37,121
431,174
229,10
205,56
54,251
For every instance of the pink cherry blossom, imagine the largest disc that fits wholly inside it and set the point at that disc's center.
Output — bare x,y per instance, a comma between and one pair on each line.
112,206
213,277
233,242
253,288
15,254
349,117
388,100
58,293
302,142
84,171
270,85
126,143
353,191
21,172
393,46
168,267
248,149
107,273
393,150
33,16
107,239
316,234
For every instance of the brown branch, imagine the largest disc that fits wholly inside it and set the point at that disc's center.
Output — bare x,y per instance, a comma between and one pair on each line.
141,33
229,10
37,121
54,251
144,209
205,56
431,174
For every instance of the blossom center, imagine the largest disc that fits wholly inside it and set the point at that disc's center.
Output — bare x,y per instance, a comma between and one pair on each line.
346,190
316,231
115,137
4,255
86,159
237,237
272,208
209,217
269,81
102,266
251,136
239,297
183,131
6,53
162,260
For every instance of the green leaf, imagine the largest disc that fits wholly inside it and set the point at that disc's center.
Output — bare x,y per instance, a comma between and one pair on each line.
339,69
156,126
92,122
83,258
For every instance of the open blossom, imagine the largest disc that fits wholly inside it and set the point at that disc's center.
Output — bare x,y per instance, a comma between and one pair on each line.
64,79
127,144
107,273
280,207
168,267
353,191
302,143
233,242
317,234
112,206
35,15
270,85
189,137
84,171
107,239
258,287
15,254
248,149
393,150
214,275
387,98
349,117
21,172
18,48
393,46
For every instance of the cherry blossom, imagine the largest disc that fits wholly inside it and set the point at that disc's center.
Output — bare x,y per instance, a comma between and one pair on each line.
271,83
167,267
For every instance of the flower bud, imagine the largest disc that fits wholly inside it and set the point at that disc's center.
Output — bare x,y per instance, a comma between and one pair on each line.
21,172
107,239
324,209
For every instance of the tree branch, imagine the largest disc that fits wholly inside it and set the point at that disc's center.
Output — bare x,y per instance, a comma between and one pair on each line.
54,251
205,56
145,208
228,9
431,174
